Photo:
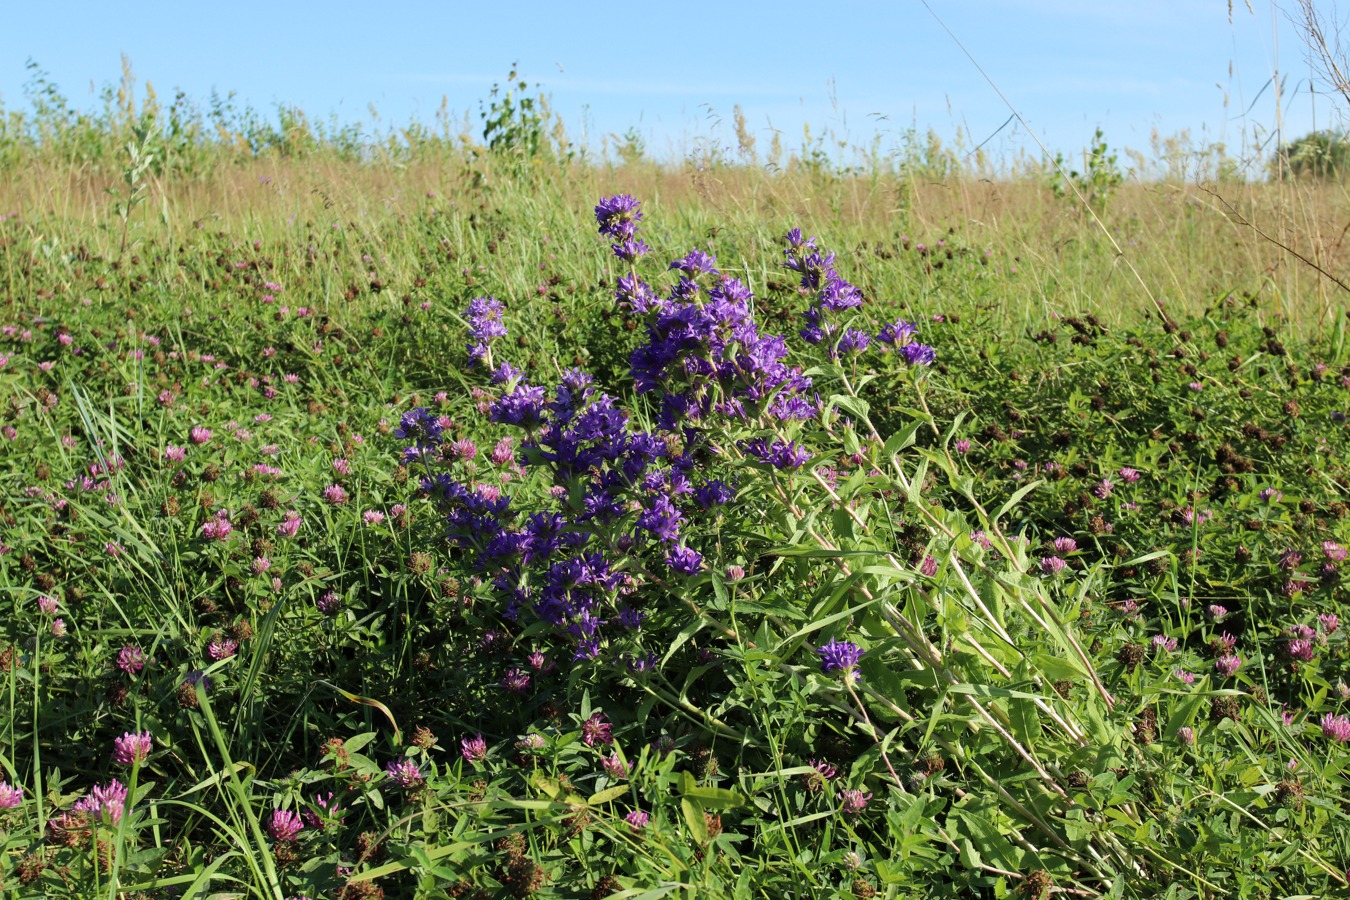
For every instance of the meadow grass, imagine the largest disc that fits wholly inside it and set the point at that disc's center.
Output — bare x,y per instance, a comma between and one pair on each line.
1189,243
1059,611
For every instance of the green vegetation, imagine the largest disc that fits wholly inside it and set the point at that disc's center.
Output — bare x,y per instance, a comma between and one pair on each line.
1060,611
1322,155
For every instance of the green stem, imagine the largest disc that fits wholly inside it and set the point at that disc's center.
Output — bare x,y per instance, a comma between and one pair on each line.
37,743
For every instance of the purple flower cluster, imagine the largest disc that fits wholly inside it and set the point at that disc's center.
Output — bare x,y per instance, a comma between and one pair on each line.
897,333
284,825
473,749
516,680
104,802
853,801
918,354
131,659
623,501
131,748
618,217
779,454
596,730
829,293
830,296
1336,728
405,773
1163,643
424,429
900,335
853,342
706,356
615,767
484,316
607,475
684,560
522,405
1300,643
840,656
1052,565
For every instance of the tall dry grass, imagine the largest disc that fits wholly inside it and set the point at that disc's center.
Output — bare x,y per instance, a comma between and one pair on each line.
1190,243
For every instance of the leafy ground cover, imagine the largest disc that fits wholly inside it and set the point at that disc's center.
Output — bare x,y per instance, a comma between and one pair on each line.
507,546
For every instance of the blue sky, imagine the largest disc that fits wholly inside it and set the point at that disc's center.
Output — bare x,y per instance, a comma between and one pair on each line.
674,73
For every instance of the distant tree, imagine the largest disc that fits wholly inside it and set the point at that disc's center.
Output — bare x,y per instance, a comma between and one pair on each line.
1320,155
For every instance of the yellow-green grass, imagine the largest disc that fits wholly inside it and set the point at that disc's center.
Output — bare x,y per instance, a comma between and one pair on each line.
1185,245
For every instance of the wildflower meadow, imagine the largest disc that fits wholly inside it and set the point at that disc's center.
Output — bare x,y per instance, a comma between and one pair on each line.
510,523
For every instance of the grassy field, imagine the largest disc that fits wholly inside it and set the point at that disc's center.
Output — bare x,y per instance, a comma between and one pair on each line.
1182,244
371,527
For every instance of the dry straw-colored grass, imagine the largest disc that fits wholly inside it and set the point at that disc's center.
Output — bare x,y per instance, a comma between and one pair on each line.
1190,243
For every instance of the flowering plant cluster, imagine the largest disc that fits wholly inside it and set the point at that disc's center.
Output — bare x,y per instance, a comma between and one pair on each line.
790,601
612,532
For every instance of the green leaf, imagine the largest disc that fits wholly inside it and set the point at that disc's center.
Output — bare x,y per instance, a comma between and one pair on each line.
709,797
693,816
1055,668
216,778
716,798
722,597
1026,721
817,624
545,785
902,438
964,485
420,856
955,426
1092,715
988,692
877,676
933,718
990,841
353,744
1183,714
199,880
915,492
1016,498
970,857
608,794
859,407
681,639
